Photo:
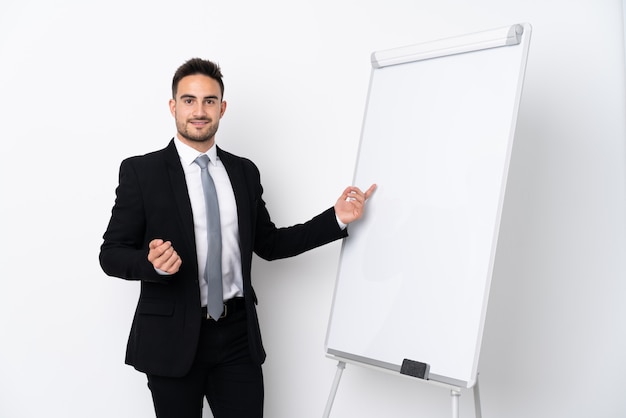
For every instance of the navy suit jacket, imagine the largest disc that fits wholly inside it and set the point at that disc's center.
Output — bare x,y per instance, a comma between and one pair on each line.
152,202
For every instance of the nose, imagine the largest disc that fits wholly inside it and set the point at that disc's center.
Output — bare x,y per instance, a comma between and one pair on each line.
198,110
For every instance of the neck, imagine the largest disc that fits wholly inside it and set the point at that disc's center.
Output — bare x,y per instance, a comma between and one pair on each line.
200,146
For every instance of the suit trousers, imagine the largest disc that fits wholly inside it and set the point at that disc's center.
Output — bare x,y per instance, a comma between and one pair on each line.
222,371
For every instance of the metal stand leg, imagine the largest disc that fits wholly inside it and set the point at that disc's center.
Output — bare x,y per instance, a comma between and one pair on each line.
477,406
331,398
455,402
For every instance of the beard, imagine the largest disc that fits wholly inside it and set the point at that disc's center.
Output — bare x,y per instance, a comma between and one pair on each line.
187,131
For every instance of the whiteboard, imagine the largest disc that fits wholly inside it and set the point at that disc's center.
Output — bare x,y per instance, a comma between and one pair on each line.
414,274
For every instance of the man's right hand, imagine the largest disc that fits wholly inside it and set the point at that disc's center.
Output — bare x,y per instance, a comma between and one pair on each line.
163,256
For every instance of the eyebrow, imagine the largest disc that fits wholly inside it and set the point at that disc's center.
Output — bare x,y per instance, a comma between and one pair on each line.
191,96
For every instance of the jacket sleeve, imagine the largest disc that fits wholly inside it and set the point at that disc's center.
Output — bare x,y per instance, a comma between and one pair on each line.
124,251
273,243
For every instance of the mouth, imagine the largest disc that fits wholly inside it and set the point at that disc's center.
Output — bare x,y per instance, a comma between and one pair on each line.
199,122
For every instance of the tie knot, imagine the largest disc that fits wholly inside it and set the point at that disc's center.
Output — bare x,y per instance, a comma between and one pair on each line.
202,161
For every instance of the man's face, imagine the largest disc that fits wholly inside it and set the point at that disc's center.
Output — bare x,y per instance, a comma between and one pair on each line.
198,108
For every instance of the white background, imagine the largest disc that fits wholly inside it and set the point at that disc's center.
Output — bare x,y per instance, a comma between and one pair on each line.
85,84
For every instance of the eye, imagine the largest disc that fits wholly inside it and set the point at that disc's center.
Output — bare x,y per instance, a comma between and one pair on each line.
188,101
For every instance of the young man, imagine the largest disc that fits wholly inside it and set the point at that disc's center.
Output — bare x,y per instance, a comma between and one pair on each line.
160,233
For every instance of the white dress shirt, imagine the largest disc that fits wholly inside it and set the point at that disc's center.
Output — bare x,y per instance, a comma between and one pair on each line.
231,254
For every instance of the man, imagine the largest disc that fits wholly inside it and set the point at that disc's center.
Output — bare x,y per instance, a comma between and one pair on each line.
159,234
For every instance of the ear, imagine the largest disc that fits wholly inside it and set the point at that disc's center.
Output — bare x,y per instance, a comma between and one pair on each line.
222,108
173,107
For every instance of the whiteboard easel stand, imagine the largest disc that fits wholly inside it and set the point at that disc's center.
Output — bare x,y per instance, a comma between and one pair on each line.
431,83
455,391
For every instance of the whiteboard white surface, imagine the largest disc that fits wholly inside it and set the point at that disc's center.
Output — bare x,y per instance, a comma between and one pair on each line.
414,275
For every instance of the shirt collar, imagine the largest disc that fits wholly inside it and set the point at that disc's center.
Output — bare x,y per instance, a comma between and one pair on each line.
188,155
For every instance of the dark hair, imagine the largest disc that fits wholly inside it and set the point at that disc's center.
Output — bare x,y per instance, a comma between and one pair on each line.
197,66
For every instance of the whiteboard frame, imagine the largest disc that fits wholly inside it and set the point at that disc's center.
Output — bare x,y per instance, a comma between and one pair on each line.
517,35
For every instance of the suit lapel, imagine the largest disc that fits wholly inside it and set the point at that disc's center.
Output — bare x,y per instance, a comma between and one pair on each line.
179,190
241,189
